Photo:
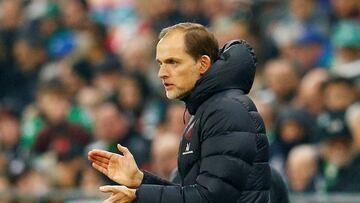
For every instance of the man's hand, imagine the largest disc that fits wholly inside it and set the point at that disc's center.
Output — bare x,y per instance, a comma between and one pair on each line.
120,194
120,168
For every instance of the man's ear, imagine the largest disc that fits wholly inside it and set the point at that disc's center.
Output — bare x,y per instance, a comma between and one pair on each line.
205,63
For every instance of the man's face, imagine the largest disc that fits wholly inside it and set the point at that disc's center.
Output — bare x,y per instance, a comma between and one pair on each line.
178,70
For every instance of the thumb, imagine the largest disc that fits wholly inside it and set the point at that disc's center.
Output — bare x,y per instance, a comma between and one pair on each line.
109,188
123,150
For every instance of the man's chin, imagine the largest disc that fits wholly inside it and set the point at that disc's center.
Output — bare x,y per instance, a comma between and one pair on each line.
173,96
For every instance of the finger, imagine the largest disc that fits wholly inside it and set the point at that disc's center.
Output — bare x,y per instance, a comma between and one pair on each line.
106,188
123,150
99,159
112,188
116,198
100,168
111,199
101,153
103,165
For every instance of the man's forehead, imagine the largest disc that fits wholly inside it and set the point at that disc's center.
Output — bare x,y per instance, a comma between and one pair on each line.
172,39
170,44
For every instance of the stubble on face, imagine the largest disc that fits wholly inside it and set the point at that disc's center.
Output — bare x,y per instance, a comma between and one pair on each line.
176,93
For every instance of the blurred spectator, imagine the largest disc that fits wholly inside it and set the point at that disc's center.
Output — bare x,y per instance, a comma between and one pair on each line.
310,96
191,11
46,20
305,45
52,108
12,15
90,180
66,172
139,47
131,100
64,139
294,127
14,157
174,119
164,154
153,115
112,128
339,93
98,50
74,13
106,75
76,77
10,22
21,81
311,49
349,175
307,13
335,140
164,14
346,39
304,157
31,184
89,97
9,131
214,10
345,9
268,115
282,81
267,14
233,28
297,20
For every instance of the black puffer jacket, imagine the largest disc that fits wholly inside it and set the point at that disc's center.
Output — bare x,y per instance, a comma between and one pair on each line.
224,153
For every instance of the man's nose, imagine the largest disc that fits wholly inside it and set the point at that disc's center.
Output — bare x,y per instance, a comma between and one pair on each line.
163,72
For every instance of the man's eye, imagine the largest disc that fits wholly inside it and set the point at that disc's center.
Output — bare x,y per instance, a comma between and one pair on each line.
173,62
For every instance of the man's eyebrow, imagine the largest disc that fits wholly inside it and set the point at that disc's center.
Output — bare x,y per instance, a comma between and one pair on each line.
170,59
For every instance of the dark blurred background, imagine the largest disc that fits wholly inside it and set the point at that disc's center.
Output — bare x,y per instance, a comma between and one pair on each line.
80,74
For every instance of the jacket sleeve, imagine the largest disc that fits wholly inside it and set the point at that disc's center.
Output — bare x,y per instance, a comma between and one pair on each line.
228,158
154,189
152,179
147,193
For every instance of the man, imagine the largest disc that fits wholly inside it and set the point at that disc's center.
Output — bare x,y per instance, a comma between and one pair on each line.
223,156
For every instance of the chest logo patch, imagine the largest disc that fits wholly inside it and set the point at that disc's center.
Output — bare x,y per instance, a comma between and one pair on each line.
187,149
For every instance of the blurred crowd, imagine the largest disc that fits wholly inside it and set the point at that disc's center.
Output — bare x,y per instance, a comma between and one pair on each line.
80,74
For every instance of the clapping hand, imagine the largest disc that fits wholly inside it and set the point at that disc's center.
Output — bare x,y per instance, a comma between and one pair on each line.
120,168
120,194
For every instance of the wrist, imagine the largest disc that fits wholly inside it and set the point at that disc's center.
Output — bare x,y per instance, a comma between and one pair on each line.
138,179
